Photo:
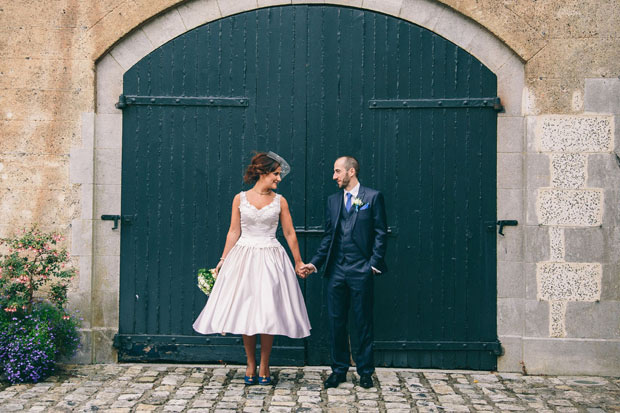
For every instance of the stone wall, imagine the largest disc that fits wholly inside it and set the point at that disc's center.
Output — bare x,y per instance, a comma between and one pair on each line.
558,67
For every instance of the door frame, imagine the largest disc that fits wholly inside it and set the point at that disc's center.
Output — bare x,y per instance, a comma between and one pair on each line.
100,155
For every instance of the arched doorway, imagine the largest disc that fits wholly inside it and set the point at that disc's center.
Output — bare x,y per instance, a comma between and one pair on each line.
312,83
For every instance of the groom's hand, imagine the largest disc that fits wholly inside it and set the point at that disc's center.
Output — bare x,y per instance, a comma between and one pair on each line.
308,268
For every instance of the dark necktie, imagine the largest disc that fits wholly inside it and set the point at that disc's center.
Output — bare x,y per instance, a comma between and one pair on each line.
348,204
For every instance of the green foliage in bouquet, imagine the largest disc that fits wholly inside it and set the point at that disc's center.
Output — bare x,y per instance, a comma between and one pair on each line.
206,280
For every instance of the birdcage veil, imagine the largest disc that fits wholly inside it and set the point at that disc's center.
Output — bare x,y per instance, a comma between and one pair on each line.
283,164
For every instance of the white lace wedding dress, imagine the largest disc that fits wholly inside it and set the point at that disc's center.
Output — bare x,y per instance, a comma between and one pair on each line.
256,291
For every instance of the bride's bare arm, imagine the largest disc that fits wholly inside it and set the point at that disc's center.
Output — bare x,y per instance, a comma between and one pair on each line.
234,232
289,231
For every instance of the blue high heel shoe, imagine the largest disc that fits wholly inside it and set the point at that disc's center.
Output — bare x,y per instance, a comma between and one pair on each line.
250,380
264,380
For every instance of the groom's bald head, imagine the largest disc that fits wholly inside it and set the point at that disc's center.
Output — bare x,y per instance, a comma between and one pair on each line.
350,162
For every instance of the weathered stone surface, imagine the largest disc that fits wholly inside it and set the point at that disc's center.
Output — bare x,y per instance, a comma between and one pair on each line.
574,207
569,281
602,95
574,133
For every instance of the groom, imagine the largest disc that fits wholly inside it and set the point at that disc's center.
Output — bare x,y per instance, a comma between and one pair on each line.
352,251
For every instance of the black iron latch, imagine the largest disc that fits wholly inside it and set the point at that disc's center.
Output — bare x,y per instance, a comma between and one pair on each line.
116,218
502,223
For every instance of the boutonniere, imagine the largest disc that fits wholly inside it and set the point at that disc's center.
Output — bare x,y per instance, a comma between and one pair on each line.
359,204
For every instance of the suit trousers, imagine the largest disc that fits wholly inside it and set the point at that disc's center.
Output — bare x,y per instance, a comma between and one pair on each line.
355,289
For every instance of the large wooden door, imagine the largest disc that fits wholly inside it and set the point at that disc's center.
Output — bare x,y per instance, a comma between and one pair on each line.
312,83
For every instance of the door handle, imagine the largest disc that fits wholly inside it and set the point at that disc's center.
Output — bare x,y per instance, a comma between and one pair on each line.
501,223
124,218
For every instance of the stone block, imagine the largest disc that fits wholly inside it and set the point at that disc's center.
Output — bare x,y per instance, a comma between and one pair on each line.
107,200
557,244
81,166
571,356
593,320
109,84
81,237
531,283
611,213
585,244
538,174
350,3
109,130
531,203
536,243
108,166
510,246
610,287
107,241
510,85
603,170
423,13
510,316
571,207
84,353
557,318
490,51
510,279
391,7
452,26
568,170
510,204
536,318
510,361
233,7
106,272
165,28
560,133
531,123
510,170
105,309
510,134
87,130
86,201
132,49
103,350
602,95
198,12
569,281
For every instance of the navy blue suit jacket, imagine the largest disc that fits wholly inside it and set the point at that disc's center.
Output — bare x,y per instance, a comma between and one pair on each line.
369,229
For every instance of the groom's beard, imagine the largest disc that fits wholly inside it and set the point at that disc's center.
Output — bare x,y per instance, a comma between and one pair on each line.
345,181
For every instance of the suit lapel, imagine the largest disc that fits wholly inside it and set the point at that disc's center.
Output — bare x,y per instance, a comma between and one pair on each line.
338,210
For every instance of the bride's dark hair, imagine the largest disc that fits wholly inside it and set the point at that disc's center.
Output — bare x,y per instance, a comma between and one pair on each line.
259,165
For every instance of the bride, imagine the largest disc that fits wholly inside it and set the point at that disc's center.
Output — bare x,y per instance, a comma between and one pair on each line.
256,291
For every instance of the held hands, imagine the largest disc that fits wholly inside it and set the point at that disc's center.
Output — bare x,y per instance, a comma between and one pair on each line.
303,270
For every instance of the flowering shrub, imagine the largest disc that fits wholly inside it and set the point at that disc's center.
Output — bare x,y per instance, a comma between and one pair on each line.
33,332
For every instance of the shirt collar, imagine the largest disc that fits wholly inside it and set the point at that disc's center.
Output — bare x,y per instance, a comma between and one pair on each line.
354,191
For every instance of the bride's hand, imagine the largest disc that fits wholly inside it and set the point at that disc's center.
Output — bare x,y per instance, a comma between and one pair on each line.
218,266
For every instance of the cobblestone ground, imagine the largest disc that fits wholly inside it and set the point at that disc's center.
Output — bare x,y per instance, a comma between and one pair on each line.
170,388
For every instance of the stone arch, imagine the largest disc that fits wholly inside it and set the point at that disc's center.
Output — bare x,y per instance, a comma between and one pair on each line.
102,133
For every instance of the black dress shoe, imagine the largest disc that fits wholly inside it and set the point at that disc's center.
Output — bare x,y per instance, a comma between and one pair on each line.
366,381
334,380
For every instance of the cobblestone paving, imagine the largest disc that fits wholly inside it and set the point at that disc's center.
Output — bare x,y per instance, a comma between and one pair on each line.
169,388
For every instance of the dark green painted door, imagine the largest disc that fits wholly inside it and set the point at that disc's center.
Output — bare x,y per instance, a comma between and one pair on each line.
313,83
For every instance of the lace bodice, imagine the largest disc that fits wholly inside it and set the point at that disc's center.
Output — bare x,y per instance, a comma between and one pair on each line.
258,226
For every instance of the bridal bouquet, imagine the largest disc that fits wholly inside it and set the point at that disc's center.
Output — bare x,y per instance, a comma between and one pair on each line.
206,279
